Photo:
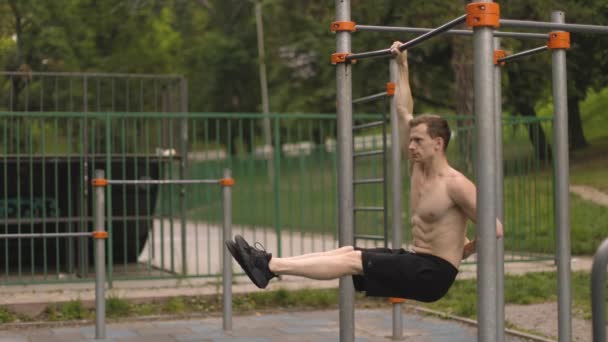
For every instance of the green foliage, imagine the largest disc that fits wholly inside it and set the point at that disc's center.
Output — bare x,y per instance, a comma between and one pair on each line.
6,316
72,310
117,307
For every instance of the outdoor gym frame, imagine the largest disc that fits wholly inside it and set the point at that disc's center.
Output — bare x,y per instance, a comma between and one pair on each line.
100,235
483,16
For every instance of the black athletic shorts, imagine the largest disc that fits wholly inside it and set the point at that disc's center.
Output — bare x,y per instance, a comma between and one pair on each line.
402,274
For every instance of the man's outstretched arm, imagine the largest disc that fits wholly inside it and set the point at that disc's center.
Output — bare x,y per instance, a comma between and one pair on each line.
403,98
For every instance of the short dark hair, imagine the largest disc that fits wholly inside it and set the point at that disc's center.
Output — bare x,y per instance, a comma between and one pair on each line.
436,126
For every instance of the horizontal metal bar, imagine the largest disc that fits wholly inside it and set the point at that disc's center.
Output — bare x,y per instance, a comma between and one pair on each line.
368,125
523,54
527,24
370,98
163,181
368,181
369,208
43,235
410,43
367,154
370,237
50,221
89,74
420,30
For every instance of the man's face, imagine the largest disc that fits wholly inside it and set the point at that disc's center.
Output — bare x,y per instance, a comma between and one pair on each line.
421,146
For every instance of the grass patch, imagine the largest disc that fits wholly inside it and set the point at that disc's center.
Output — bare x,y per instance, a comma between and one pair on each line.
526,289
6,316
70,311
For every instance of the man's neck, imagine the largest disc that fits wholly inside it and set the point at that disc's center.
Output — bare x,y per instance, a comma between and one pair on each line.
434,167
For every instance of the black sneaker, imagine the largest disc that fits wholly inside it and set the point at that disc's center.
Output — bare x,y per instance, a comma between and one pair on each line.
231,246
254,262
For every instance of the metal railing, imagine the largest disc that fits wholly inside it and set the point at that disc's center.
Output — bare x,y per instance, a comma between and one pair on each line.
598,292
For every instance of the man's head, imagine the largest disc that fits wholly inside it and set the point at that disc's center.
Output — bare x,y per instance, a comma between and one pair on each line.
429,134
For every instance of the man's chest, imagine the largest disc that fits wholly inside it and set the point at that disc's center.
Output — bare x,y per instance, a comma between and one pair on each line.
430,201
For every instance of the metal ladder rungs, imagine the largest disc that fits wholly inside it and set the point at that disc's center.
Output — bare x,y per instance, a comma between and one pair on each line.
368,181
369,208
368,125
369,153
370,237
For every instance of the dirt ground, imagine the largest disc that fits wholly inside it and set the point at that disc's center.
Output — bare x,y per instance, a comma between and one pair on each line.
541,319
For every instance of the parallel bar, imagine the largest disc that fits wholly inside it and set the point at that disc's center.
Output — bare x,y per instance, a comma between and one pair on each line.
598,292
486,186
172,181
369,98
370,237
562,205
367,154
345,170
100,261
578,28
43,235
368,125
500,247
368,181
369,208
419,30
519,55
227,258
396,184
410,43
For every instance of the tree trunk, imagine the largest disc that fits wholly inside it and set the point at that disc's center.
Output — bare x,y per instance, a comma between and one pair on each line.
576,136
462,66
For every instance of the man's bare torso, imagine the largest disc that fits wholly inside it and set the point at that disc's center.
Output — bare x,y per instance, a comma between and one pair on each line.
438,224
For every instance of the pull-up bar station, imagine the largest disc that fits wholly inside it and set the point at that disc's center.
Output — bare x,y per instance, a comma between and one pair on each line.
483,18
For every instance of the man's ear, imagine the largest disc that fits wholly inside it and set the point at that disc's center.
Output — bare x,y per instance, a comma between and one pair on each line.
439,143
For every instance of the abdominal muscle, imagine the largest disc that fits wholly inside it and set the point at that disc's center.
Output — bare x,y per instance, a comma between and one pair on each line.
443,238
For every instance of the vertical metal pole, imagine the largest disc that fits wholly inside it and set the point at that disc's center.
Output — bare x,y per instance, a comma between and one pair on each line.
183,165
227,261
486,175
598,292
264,86
345,170
396,185
562,205
100,260
500,247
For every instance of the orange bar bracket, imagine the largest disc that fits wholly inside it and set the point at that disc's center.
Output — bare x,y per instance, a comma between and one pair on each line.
390,88
340,57
559,40
99,234
394,300
498,54
227,182
341,26
99,182
483,14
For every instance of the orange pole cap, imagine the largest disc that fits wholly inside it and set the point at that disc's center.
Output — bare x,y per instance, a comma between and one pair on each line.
99,234
227,182
341,26
394,300
559,40
340,57
390,88
483,14
99,182
498,54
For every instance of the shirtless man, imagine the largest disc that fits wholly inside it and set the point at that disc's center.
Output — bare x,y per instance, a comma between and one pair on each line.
442,200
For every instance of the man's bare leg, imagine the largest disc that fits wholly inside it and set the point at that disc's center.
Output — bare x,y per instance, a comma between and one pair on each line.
338,251
320,267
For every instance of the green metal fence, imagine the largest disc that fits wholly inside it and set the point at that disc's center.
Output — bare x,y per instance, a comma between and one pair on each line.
284,197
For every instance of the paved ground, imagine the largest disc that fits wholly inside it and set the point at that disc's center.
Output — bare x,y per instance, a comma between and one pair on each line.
318,326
